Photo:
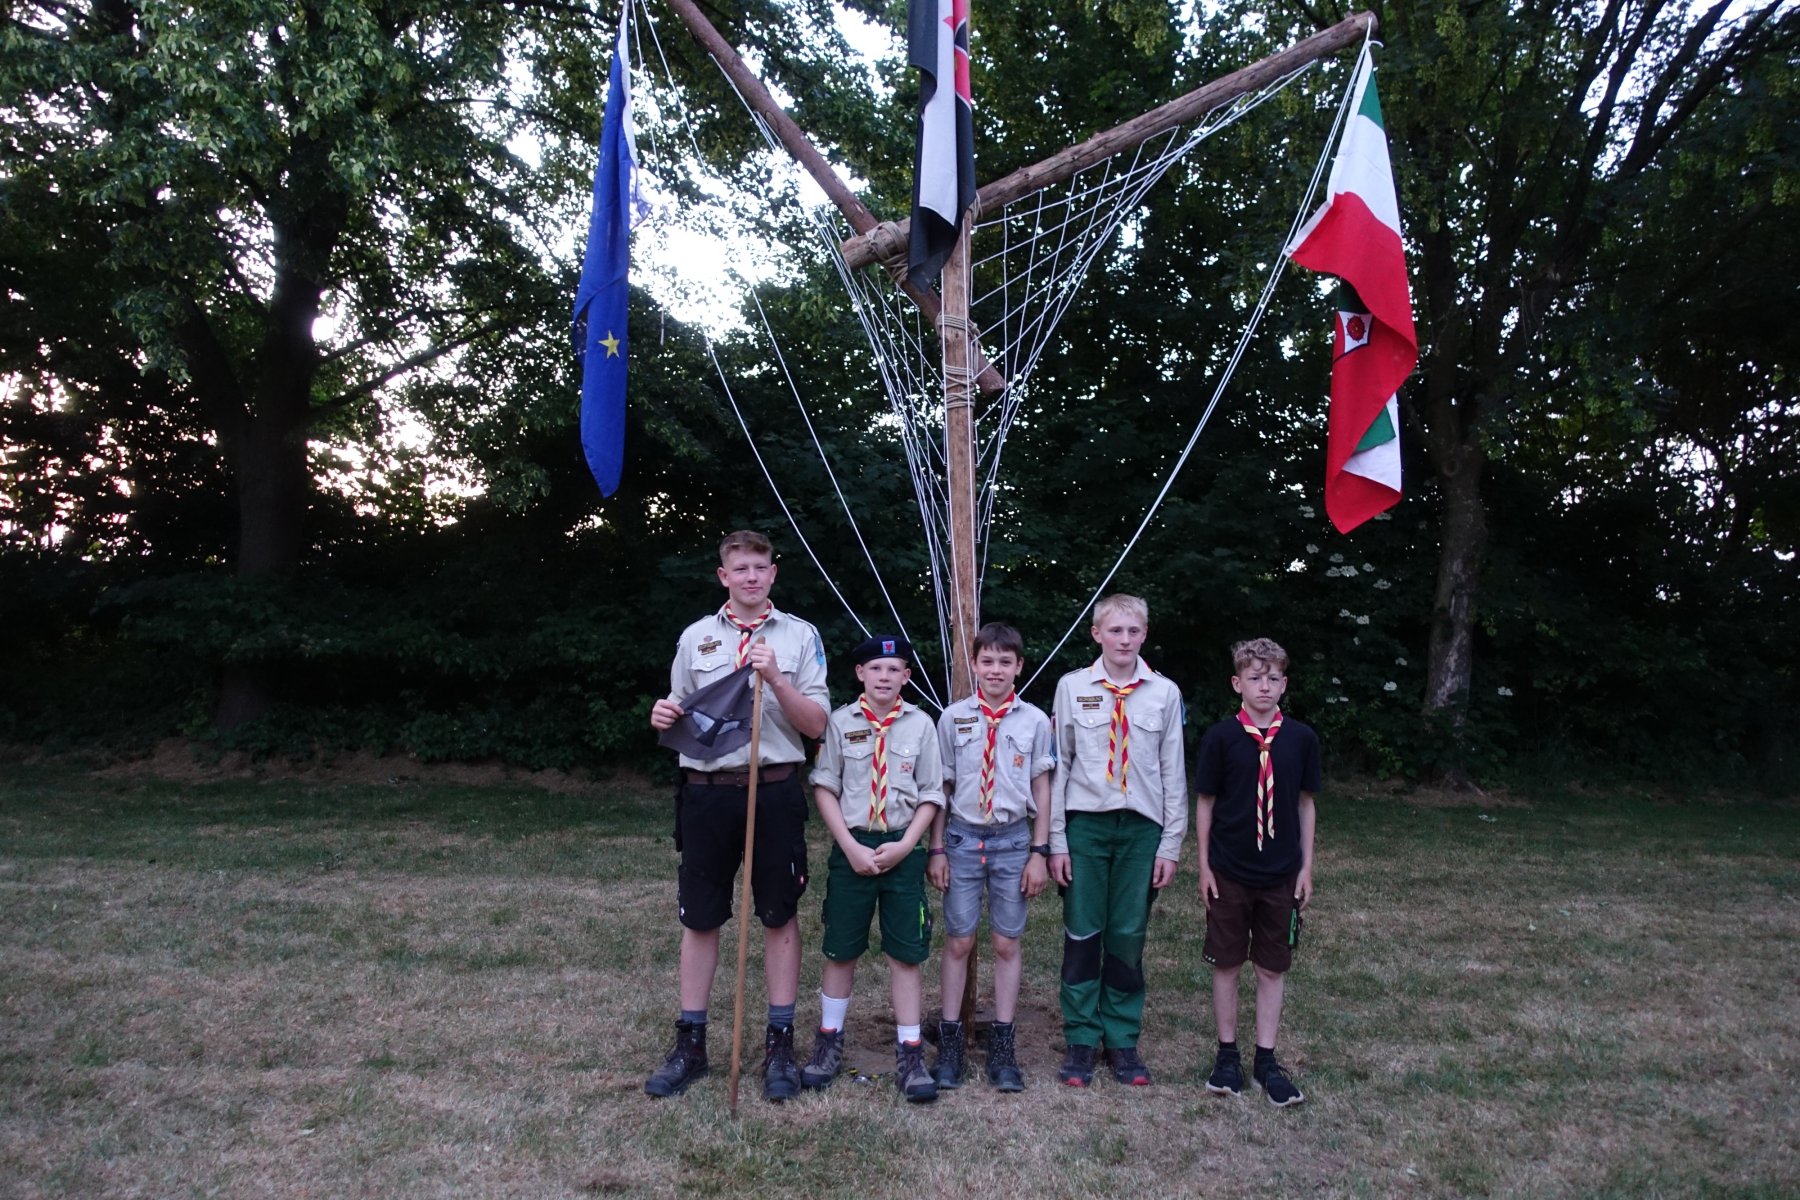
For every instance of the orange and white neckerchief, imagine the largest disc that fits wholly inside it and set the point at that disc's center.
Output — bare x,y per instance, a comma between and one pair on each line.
1118,738
1265,774
878,780
746,630
994,717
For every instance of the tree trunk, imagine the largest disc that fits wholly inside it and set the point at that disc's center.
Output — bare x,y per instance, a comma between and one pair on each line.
1464,546
269,459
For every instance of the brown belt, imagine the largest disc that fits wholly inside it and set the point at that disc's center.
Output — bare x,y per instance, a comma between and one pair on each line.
774,773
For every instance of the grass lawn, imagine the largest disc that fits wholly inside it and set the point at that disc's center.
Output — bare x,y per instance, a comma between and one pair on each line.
290,987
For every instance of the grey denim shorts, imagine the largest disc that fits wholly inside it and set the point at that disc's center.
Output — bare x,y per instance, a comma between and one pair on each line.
990,859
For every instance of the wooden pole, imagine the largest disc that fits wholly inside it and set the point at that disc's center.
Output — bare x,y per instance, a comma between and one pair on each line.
959,458
866,248
809,158
744,913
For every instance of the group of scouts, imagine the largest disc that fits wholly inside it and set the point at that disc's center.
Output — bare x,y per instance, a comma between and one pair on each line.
993,800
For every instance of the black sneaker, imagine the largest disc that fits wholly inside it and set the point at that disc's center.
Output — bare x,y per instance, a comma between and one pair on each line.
1002,1067
826,1061
950,1059
1276,1084
1078,1068
1127,1067
910,1075
685,1063
1227,1078
781,1076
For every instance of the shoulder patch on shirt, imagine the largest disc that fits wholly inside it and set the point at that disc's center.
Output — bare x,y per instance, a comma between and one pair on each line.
819,649
857,735
709,646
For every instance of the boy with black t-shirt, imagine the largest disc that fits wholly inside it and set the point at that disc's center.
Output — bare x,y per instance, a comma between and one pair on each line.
1254,816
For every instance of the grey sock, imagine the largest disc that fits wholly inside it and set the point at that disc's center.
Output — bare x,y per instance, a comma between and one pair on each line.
781,1016
693,1016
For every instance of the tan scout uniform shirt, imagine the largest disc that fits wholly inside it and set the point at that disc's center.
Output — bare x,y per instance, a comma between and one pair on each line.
1156,784
846,760
1021,754
707,652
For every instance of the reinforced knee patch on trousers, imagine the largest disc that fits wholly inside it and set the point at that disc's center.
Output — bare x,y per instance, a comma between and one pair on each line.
1081,957
1124,977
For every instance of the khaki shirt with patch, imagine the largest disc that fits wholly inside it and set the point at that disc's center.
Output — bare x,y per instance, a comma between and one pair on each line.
1155,784
1021,754
707,652
847,760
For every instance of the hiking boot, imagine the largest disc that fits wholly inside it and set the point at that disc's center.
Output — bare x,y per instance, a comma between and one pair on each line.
1002,1069
949,1069
826,1061
781,1076
1078,1068
1127,1067
1227,1078
686,1062
1275,1083
910,1075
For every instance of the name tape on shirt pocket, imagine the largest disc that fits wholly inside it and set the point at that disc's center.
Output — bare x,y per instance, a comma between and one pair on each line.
709,647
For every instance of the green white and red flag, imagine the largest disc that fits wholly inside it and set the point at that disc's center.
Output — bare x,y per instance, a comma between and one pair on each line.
1355,235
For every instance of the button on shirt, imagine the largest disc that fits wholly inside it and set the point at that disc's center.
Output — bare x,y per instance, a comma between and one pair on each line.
1021,754
707,652
1155,785
847,757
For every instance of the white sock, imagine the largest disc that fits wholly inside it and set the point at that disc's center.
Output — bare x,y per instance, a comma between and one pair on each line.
831,1012
907,1033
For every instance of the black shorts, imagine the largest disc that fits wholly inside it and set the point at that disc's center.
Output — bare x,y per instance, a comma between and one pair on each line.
709,833
1246,922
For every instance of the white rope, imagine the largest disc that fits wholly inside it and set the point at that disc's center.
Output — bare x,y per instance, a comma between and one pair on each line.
1255,319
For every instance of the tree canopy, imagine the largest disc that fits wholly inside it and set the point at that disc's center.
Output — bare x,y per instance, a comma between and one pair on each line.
289,411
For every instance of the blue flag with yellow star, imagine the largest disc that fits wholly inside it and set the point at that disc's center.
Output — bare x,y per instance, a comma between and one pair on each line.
600,299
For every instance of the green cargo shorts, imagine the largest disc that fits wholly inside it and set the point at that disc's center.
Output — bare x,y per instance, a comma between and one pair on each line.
852,900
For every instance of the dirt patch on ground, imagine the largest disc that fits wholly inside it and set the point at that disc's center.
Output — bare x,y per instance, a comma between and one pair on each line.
178,760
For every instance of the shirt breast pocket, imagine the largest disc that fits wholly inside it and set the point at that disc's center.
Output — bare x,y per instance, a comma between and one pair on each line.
902,758
1091,730
707,668
859,759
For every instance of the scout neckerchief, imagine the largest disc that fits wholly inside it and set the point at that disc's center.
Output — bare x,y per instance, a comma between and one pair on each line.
994,717
1265,774
745,630
878,783
1118,738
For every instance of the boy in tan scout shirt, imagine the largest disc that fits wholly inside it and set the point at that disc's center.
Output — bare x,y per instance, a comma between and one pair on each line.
877,784
1118,814
992,840
710,808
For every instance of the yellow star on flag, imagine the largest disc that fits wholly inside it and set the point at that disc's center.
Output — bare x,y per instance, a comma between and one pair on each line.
611,343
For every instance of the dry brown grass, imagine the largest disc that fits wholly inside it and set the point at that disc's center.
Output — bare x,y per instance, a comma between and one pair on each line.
300,988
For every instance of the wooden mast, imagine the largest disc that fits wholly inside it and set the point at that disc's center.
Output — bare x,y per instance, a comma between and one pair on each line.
959,459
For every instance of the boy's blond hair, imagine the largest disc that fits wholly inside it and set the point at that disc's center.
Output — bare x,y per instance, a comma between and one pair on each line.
1119,602
747,540
1257,650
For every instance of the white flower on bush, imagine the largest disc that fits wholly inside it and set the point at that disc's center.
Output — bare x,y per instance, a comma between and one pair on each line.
1311,549
1390,686
1383,584
1505,691
1337,558
1399,662
1363,620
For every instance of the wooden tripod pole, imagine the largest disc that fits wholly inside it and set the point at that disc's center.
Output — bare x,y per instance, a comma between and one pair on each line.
737,1003
959,459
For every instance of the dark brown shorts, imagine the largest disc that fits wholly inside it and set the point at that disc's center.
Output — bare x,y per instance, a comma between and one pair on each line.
1250,919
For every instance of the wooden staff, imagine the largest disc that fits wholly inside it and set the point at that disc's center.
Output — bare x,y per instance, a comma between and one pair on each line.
737,1005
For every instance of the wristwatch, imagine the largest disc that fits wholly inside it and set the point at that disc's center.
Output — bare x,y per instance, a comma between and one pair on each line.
1043,849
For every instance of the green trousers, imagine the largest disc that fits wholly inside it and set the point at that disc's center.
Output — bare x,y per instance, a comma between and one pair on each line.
1106,910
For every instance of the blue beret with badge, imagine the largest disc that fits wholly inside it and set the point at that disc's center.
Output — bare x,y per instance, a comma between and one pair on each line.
882,645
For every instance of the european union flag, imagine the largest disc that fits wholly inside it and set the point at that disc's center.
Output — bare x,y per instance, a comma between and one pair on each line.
600,299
